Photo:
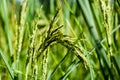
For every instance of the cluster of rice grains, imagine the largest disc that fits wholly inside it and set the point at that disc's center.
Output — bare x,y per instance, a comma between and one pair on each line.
59,40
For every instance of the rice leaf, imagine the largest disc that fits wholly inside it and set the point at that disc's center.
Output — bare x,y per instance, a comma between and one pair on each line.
7,65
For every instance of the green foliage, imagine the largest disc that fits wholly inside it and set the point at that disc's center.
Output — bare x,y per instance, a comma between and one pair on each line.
59,40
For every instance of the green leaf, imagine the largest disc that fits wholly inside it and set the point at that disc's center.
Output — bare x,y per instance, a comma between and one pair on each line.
72,66
7,65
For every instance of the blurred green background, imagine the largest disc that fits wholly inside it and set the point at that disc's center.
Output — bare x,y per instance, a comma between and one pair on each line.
30,28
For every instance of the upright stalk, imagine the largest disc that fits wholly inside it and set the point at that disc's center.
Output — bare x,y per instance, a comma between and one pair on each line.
21,29
107,7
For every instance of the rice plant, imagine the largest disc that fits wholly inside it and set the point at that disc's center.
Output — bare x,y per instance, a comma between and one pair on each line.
59,40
